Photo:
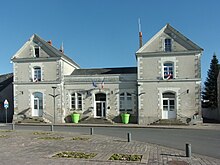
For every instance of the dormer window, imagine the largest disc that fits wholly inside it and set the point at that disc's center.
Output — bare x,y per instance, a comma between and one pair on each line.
36,52
167,45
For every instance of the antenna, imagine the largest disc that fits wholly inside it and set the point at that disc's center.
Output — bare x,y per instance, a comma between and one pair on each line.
139,24
140,33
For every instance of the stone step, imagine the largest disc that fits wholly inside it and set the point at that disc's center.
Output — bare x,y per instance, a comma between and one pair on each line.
96,121
32,120
168,122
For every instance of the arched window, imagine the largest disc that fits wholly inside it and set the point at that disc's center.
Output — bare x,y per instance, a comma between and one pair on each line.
168,70
125,103
37,74
76,101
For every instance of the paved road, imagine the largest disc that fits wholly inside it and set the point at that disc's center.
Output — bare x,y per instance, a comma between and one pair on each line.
205,142
27,148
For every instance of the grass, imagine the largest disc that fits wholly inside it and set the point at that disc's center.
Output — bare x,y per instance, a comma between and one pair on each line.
80,138
5,130
71,154
51,138
4,136
126,157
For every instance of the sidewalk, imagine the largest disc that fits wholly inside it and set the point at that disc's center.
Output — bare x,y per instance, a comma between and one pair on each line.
25,147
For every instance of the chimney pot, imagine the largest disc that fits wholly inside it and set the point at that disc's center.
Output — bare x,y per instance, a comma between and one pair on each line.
49,42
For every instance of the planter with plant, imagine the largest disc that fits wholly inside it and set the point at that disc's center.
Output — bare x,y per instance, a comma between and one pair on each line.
75,117
125,117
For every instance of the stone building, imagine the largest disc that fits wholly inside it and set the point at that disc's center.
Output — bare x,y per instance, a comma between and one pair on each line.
165,84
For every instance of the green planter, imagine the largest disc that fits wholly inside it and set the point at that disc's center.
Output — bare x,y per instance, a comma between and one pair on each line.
125,118
75,117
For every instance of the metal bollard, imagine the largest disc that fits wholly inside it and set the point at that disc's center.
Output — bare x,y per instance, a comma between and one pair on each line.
51,128
91,131
129,137
188,150
13,126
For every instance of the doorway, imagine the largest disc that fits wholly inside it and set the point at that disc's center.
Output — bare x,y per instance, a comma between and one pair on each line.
100,105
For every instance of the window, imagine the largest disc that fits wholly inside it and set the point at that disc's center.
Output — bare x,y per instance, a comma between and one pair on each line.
37,74
167,45
36,52
76,101
125,102
168,70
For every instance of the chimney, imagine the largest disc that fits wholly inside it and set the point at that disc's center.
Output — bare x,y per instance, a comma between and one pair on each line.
140,40
49,42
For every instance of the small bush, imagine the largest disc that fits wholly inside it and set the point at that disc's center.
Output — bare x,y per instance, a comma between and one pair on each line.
71,154
126,157
80,138
4,136
51,138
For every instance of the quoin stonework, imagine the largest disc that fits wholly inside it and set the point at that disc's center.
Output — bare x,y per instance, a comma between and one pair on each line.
165,84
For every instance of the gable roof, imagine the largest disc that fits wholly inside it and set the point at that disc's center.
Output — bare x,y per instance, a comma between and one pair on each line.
100,71
174,34
51,50
5,80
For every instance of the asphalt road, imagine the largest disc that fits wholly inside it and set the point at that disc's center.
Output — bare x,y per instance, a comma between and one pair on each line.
204,142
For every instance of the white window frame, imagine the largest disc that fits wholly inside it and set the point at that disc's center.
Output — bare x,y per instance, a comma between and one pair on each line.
36,47
168,47
167,76
78,97
36,74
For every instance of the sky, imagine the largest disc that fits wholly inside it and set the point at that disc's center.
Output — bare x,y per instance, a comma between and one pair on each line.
104,33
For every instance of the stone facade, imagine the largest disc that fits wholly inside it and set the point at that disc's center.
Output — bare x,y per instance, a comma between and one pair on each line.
41,71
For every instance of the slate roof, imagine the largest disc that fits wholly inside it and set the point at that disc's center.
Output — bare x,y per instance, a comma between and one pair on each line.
49,49
52,51
100,71
5,80
176,35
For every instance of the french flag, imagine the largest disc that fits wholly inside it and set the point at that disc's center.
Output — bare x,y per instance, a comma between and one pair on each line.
94,84
102,84
169,76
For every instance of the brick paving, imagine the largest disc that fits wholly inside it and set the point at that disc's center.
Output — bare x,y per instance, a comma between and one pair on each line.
26,148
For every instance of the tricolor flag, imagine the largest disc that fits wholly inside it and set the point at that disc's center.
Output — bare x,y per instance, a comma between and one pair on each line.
169,76
94,84
102,84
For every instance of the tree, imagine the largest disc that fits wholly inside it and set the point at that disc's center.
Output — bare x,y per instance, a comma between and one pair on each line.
209,94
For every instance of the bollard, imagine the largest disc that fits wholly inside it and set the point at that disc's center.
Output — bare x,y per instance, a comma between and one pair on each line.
188,150
13,126
51,128
129,137
91,131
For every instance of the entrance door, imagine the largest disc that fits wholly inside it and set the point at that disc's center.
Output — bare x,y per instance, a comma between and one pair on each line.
169,110
37,104
100,105
100,109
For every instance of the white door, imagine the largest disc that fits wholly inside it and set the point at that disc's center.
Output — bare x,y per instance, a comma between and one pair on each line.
169,111
37,109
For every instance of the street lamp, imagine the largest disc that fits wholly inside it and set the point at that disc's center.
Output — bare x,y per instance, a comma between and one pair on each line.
54,99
